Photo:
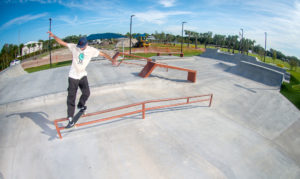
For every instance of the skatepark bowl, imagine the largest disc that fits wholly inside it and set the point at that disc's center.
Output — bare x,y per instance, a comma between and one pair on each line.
249,131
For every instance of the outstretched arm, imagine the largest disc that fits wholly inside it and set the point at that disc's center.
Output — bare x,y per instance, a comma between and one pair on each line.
58,40
108,57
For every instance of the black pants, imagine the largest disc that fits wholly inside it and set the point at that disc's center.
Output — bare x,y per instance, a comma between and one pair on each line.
72,91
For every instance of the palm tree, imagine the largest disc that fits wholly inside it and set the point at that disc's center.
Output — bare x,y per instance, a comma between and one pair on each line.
228,42
40,45
187,32
196,35
234,42
207,38
34,46
21,47
15,51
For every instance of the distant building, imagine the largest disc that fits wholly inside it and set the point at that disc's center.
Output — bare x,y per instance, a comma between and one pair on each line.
35,46
97,41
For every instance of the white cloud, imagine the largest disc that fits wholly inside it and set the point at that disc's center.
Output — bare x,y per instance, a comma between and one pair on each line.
280,19
21,20
282,24
157,17
39,1
167,3
68,20
90,5
176,29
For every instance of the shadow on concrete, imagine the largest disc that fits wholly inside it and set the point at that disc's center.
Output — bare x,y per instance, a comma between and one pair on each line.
170,79
161,77
134,117
257,76
249,89
136,74
40,119
1,176
223,66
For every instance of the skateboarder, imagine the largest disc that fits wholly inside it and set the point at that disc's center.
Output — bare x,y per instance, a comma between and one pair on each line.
82,54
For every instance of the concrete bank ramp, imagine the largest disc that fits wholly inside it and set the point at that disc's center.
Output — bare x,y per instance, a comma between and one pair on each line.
258,73
249,132
12,72
237,58
53,81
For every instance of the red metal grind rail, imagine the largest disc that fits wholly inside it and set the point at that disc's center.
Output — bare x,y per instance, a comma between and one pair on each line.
150,66
142,110
147,70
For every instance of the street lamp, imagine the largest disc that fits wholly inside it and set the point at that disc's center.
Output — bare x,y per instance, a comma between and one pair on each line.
50,44
241,46
130,34
182,36
265,46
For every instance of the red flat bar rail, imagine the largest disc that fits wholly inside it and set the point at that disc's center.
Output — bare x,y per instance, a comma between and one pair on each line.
150,66
142,110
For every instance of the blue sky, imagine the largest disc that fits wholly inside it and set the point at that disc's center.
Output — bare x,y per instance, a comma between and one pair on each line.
30,18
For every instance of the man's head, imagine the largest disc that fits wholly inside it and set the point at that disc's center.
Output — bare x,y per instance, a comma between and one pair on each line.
82,43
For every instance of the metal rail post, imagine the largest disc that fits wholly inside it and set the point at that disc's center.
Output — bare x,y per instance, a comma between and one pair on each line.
143,110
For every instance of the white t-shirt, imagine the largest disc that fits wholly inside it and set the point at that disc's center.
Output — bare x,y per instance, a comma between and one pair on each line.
80,60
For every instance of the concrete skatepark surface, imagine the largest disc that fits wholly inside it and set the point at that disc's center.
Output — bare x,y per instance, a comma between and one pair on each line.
250,131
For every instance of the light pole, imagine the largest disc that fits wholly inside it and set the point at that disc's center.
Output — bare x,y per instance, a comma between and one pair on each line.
130,34
265,46
182,36
241,46
50,44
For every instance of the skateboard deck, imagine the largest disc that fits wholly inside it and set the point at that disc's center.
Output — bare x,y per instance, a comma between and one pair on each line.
77,117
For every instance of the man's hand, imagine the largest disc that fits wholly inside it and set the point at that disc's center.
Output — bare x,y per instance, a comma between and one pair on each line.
58,40
50,34
108,57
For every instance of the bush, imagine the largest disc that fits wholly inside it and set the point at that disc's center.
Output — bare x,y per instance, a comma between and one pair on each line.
280,65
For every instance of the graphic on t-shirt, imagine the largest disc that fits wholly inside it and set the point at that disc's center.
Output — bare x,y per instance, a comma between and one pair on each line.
81,57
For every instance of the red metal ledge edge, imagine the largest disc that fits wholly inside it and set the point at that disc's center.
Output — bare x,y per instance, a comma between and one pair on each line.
142,110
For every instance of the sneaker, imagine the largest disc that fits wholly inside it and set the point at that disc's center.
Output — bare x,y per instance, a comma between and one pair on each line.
82,108
71,123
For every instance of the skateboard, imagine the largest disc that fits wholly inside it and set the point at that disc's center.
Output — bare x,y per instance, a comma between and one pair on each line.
76,118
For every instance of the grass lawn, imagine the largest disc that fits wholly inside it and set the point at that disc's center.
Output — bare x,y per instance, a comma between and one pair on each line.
187,51
46,67
292,90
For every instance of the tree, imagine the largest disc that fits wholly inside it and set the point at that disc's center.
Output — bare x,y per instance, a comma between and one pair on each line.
261,53
234,42
21,47
72,39
274,56
206,38
41,42
219,40
187,32
228,42
258,48
248,44
196,36
34,48
293,61
15,51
